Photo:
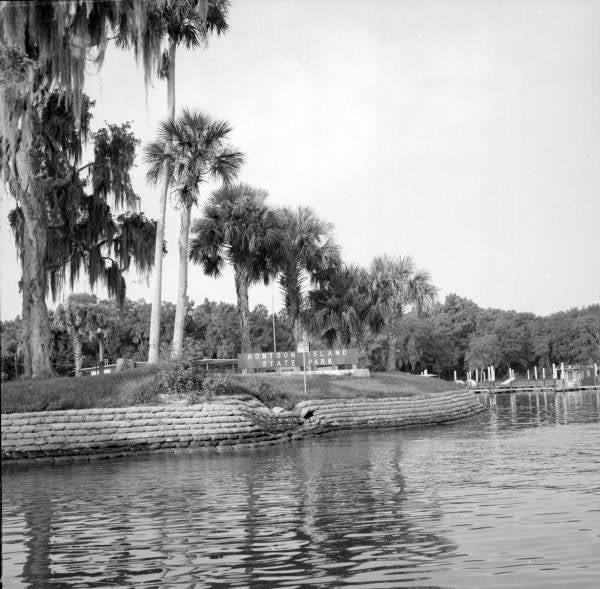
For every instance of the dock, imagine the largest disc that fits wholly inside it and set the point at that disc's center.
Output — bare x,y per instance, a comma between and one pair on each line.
559,388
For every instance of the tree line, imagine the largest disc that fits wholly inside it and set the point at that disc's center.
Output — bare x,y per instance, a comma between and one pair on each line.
453,335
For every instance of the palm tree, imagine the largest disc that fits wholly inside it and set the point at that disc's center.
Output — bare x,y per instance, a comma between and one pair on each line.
83,316
399,287
188,22
193,149
240,229
343,309
307,250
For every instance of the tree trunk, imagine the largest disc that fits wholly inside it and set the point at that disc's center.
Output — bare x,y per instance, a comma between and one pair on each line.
297,331
154,343
101,353
36,327
180,310
34,279
241,290
77,354
25,337
390,365
363,357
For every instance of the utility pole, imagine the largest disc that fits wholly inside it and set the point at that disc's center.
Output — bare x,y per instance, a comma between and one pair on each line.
273,316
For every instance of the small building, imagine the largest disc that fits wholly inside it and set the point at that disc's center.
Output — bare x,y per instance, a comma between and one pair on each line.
588,376
580,375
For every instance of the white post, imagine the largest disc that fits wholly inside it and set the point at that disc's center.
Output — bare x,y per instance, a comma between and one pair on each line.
535,372
494,373
528,374
543,373
554,375
455,376
562,371
304,362
476,374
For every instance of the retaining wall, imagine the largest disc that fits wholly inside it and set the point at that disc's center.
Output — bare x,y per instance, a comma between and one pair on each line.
56,436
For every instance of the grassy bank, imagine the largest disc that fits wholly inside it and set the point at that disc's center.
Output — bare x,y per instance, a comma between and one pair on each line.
324,386
121,389
141,386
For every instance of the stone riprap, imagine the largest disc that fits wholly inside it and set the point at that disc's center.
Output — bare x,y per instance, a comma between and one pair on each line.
56,436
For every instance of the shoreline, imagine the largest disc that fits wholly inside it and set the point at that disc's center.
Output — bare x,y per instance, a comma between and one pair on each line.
53,437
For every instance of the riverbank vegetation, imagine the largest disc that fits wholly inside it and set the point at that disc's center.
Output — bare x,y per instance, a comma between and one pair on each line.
172,382
451,335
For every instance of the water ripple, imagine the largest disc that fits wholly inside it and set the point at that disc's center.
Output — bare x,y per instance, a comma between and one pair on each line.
508,498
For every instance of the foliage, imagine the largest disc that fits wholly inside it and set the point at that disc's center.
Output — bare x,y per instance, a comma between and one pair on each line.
452,336
343,309
307,251
238,228
193,148
185,374
400,287
217,384
11,355
83,234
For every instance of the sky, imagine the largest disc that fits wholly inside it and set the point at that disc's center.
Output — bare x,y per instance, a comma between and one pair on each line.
464,134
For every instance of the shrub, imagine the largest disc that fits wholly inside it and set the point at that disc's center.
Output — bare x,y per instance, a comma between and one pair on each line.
218,384
185,374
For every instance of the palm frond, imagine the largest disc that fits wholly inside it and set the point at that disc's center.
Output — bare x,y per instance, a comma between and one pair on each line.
226,165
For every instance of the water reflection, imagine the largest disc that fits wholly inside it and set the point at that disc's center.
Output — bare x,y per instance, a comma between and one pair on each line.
508,497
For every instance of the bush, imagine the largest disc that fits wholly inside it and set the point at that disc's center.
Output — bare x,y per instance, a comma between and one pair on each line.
218,384
184,375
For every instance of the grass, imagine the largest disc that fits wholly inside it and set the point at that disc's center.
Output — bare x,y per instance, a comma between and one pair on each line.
139,387
121,389
286,391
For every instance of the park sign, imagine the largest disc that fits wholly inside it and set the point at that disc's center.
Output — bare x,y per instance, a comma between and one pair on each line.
312,359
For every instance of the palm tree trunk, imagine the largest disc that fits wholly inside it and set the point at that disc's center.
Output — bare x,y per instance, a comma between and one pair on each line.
77,354
297,331
241,290
390,365
154,342
363,356
180,310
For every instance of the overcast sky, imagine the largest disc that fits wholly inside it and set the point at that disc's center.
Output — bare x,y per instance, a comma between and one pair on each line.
463,133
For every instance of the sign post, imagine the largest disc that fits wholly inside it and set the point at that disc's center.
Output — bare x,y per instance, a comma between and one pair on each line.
302,349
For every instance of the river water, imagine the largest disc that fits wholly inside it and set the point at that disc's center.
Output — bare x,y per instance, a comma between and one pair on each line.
509,498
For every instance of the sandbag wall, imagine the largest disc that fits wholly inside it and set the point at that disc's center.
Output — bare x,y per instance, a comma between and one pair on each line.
331,414
56,436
